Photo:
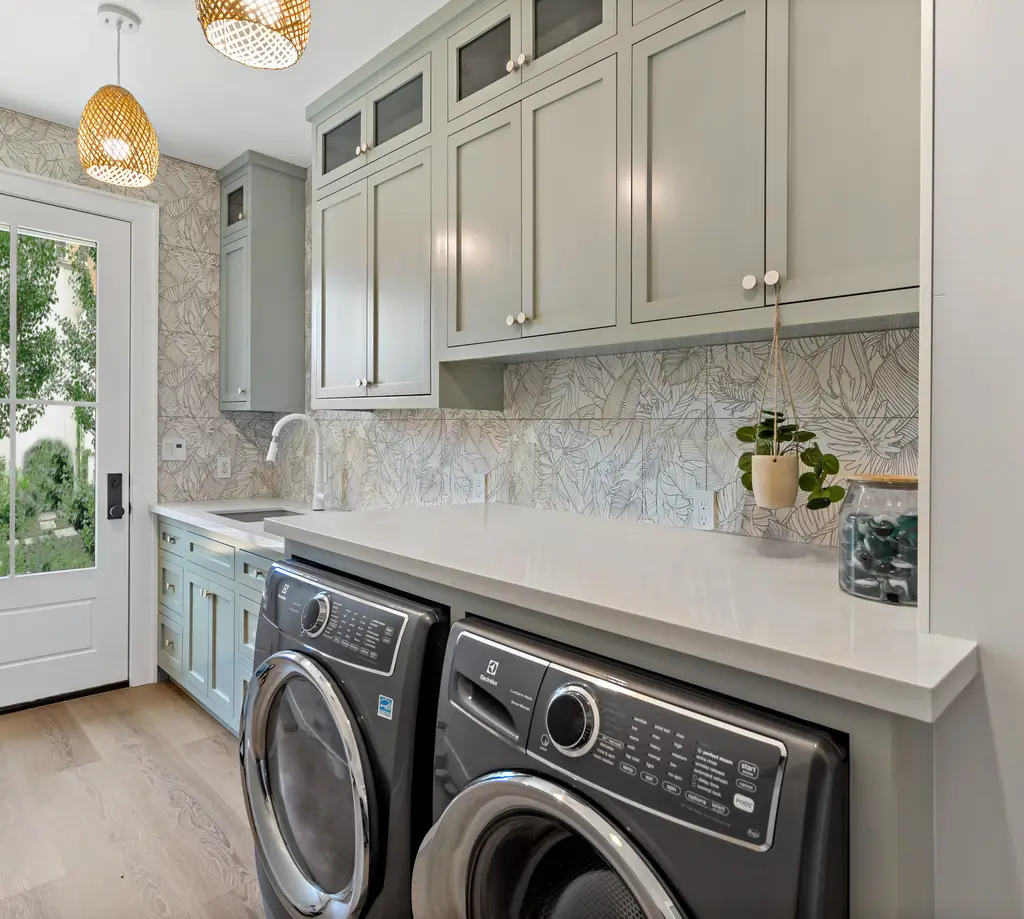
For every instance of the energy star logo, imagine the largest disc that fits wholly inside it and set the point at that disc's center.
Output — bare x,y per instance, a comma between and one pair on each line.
385,707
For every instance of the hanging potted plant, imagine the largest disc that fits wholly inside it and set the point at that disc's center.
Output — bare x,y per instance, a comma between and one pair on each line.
772,469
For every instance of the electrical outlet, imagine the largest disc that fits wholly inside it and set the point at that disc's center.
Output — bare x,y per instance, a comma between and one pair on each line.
479,494
223,467
705,510
173,450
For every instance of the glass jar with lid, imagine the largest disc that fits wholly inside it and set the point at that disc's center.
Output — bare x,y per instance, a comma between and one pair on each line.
878,539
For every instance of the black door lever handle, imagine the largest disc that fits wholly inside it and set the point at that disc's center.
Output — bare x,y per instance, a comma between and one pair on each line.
115,487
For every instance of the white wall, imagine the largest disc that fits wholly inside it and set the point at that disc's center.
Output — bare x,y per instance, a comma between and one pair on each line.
977,496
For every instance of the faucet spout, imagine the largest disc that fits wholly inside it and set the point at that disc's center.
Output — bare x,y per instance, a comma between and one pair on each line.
318,466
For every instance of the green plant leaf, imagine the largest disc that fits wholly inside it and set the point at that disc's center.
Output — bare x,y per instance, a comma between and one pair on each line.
748,481
805,436
746,462
830,464
818,504
746,435
808,481
764,448
836,493
778,415
789,428
811,455
785,438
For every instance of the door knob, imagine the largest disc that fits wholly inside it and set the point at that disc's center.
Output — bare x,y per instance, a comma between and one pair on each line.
771,278
522,318
749,282
511,320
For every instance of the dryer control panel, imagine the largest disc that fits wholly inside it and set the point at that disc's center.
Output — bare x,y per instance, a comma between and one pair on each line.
690,768
348,621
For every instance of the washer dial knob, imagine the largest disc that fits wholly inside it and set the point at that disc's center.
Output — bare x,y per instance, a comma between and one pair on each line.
315,615
573,720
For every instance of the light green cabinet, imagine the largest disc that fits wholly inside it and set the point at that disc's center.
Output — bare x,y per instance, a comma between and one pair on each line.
372,289
519,40
209,639
532,214
262,295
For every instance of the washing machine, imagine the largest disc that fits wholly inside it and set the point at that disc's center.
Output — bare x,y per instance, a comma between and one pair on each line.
336,743
571,787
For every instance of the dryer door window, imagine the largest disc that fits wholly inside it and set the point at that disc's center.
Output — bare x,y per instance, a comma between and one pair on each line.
307,787
513,846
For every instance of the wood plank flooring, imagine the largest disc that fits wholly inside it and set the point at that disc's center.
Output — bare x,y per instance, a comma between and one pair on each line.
124,805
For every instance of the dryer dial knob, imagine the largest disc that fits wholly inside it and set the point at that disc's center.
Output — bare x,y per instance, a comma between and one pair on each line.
573,720
315,615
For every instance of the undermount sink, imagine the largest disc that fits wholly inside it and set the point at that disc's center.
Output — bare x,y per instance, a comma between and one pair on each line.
256,516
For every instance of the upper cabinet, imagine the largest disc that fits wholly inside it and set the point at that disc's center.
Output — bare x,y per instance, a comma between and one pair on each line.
518,40
603,175
262,285
391,115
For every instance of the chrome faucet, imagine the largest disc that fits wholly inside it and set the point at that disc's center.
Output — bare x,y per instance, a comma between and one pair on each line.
318,467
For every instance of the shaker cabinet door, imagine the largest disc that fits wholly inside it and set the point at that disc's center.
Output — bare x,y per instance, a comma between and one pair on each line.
698,164
555,30
340,295
485,230
483,58
195,662
222,651
843,146
398,346
570,195
234,323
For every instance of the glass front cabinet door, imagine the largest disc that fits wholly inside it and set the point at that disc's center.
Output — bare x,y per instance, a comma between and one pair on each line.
517,40
234,207
389,116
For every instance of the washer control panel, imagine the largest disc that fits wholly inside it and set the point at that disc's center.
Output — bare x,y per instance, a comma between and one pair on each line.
345,622
690,768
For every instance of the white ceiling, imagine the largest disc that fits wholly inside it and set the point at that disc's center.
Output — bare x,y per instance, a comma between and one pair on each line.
206,109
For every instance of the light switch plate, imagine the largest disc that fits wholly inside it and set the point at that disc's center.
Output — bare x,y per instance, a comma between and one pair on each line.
173,450
223,467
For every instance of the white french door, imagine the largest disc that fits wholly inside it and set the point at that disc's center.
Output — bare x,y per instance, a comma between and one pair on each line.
65,299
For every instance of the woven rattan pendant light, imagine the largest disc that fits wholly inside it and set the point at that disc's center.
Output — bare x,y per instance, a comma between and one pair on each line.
116,141
265,34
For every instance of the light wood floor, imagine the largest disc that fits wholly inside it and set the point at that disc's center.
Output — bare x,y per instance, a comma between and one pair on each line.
125,805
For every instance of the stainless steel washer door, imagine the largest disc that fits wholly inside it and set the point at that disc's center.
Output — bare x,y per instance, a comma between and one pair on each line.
514,846
306,780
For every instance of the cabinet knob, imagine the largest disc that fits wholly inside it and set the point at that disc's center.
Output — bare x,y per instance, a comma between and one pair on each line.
522,318
168,588
203,592
364,147
168,643
241,391
510,66
511,320
749,282
522,60
771,278
362,382
359,150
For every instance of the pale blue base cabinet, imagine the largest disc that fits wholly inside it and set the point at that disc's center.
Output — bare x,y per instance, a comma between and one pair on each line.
209,597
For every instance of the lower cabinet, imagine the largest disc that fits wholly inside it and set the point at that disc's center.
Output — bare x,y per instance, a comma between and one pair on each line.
206,634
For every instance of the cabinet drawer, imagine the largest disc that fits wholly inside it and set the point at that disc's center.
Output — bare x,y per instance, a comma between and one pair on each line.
211,555
171,586
251,570
169,634
247,617
172,539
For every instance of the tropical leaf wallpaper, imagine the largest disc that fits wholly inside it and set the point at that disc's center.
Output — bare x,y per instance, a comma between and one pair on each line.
631,435
189,199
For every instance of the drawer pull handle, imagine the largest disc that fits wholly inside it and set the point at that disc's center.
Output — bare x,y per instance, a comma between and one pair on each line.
170,539
255,572
169,588
168,643
203,592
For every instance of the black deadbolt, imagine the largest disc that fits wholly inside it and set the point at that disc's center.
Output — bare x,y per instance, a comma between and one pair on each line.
115,505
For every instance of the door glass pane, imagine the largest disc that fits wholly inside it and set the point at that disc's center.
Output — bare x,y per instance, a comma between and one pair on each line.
236,205
340,143
55,503
310,784
398,111
560,21
482,61
56,319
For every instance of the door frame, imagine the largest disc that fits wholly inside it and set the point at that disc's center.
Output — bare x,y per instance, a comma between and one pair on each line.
144,218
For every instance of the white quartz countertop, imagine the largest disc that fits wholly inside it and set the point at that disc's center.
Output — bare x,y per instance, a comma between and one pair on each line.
203,514
764,606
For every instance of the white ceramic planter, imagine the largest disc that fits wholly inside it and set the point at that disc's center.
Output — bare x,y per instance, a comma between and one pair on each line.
776,480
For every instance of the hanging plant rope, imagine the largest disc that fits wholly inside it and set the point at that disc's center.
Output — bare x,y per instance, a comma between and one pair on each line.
771,435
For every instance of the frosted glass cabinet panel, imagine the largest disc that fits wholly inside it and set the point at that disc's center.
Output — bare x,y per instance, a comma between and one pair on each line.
698,164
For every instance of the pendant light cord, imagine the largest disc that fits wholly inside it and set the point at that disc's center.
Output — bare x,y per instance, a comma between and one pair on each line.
119,52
